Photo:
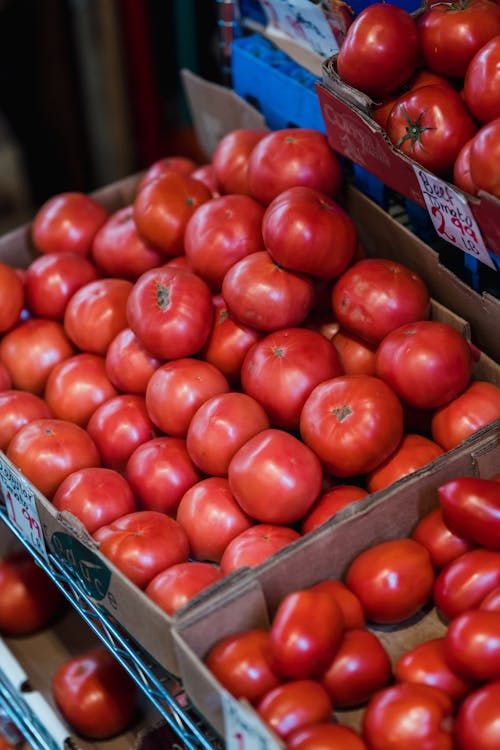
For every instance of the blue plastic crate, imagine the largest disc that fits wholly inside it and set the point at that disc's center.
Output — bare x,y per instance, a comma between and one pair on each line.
275,84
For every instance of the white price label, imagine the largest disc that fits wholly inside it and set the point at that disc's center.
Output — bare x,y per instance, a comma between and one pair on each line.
452,217
21,507
244,729
304,22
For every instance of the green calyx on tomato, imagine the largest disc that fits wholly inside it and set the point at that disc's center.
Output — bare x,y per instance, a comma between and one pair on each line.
414,129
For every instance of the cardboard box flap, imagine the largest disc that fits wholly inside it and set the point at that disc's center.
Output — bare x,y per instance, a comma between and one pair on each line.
340,88
10,669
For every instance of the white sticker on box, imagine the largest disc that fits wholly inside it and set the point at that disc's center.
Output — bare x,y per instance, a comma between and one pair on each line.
452,216
47,718
304,22
244,729
21,507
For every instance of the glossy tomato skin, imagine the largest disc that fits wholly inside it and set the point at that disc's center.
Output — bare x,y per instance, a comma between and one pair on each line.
472,644
392,579
357,357
476,723
47,450
374,296
163,207
380,50
465,581
211,518
352,423
256,544
28,599
329,503
180,164
160,471
430,125
128,364
96,496
242,662
95,694
275,464
5,379
142,544
471,509
491,601
426,664
427,363
408,715
450,35
174,587
230,159
67,222
281,369
461,170
442,545
475,407
294,705
17,408
305,230
485,157
328,736
170,311
12,294
482,82
292,157
352,610
414,452
306,632
52,279
206,174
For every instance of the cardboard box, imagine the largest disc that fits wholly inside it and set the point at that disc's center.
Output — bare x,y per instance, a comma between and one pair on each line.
326,553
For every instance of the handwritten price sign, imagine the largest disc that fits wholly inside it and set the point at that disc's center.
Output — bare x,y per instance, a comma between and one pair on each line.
304,22
243,728
21,507
452,217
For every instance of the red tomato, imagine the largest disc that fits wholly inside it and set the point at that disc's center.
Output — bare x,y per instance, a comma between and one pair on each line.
95,694
465,581
413,453
221,232
380,50
128,364
142,544
118,427
160,471
475,407
118,249
242,662
471,509
305,230
28,598
427,363
179,164
67,222
476,723
360,667
12,296
461,169
472,644
357,357
281,369
352,611
77,386
426,664
408,715
430,125
96,496
174,587
261,294
293,157
254,545
294,705
96,313
275,464
211,518
375,296
306,632
485,158
177,389
352,423
442,545
482,80
52,279
329,503
451,34
48,450
230,159
491,601
5,379
392,579
31,350
17,408
163,207
328,736
170,311
206,175
228,341
220,426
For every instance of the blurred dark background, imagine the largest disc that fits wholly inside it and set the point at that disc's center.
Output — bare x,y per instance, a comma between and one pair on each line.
90,91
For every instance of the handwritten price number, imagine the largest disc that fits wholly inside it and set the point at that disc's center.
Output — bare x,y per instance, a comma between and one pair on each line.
244,729
468,238
21,509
